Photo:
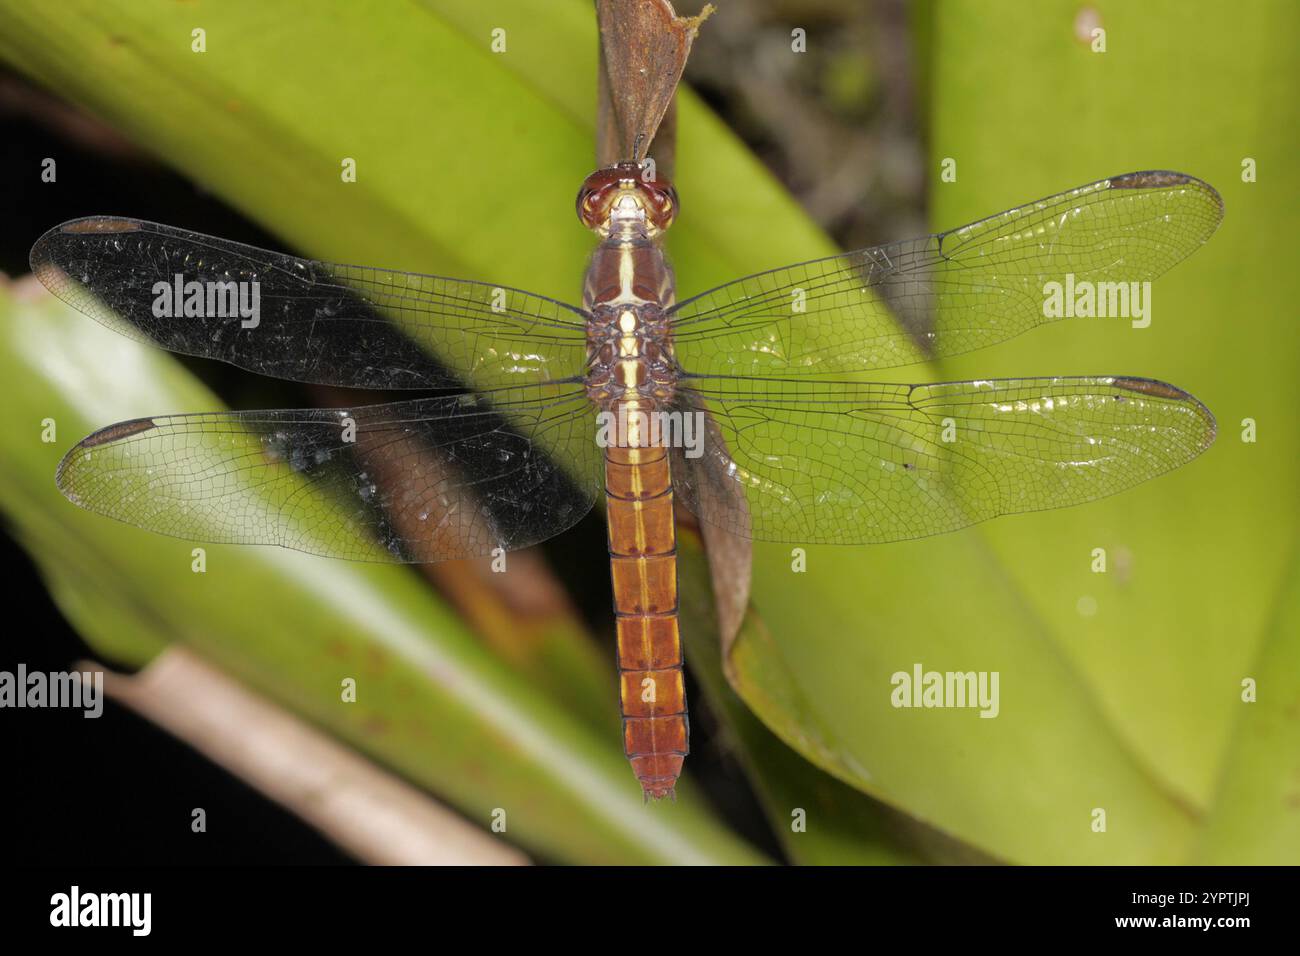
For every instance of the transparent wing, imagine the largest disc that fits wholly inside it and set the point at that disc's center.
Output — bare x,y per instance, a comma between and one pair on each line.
948,293
414,481
304,320
843,463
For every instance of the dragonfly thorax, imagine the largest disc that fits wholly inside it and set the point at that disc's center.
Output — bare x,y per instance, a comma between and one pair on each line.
630,355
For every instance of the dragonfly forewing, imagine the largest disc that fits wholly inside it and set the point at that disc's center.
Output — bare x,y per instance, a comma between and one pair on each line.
955,291
303,320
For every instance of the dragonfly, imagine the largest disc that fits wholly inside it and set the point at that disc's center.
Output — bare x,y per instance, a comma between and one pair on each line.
745,405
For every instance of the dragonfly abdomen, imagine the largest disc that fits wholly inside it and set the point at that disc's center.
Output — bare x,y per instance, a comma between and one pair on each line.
643,569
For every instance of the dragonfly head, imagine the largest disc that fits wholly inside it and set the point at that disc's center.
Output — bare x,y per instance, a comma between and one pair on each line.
626,193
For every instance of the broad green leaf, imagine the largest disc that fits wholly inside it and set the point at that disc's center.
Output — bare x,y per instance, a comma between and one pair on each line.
1253,819
818,819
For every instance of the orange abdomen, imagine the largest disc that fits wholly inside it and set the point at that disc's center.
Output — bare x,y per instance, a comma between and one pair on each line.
643,567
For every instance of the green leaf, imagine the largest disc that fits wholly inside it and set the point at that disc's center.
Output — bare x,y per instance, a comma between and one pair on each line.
818,819
1253,818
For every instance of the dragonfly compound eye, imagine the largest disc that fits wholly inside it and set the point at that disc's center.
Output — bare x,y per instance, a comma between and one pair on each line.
597,196
660,200
611,187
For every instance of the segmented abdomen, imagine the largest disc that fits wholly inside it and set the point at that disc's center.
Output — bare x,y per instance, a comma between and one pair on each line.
643,567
